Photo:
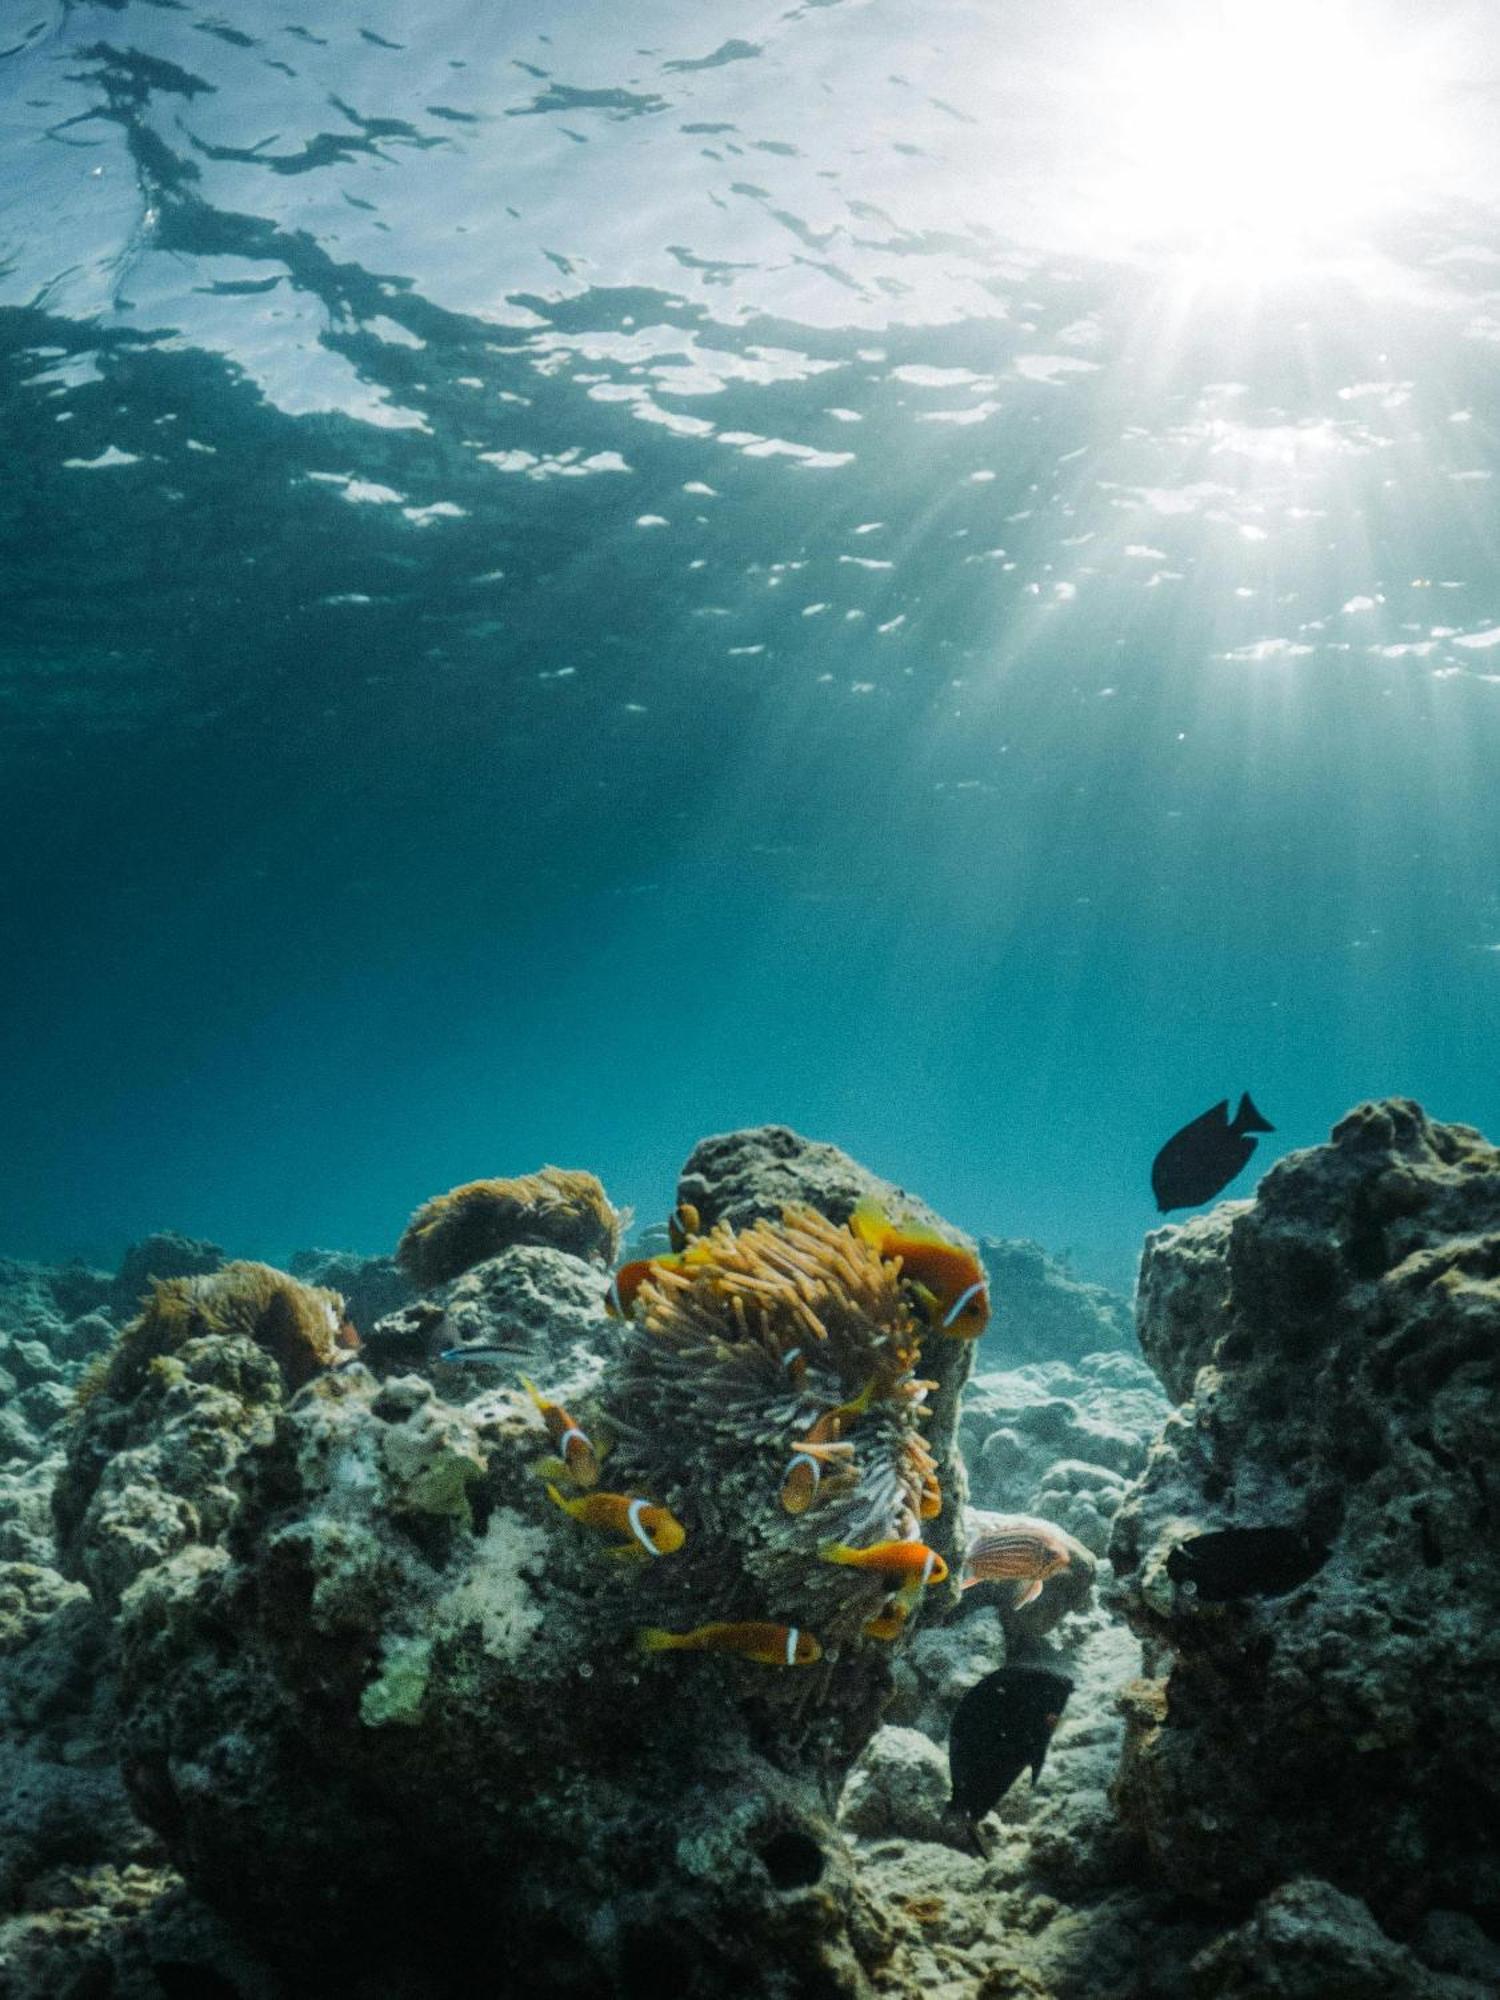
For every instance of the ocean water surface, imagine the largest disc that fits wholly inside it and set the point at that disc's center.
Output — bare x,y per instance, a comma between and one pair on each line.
581,575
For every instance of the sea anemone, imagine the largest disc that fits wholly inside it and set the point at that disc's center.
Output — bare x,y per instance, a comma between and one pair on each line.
555,1207
300,1326
734,1353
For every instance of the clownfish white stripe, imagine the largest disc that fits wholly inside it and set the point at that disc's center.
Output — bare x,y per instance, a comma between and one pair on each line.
633,1515
806,1458
567,1438
961,1301
792,1637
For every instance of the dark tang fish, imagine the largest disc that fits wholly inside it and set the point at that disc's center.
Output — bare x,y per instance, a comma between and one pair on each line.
1245,1562
1204,1157
1003,1723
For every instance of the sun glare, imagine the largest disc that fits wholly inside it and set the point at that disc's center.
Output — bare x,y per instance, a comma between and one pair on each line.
1255,133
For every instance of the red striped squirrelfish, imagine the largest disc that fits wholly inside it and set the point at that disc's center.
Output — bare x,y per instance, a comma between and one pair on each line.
751,1639
579,1459
900,1559
653,1530
1019,1546
948,1281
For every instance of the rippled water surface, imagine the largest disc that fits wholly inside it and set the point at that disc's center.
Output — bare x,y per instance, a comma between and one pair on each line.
579,575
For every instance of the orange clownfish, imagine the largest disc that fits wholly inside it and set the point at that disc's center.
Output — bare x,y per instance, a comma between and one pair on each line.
619,1300
805,1472
578,1457
890,1622
902,1559
751,1639
804,1475
948,1281
653,1530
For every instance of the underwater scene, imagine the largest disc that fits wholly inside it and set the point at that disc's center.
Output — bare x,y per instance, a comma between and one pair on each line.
750,759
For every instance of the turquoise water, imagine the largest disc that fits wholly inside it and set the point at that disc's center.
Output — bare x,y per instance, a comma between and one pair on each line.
578,575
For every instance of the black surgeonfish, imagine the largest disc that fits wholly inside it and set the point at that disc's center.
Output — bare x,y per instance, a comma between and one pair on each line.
1204,1157
1245,1562
1003,1723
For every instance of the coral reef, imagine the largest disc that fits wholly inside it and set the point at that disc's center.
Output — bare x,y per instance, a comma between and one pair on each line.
1339,1338
1061,1440
757,1174
332,1652
452,1232
753,1174
1308,1942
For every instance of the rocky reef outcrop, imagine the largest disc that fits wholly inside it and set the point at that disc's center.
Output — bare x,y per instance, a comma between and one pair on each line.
1335,1346
355,1633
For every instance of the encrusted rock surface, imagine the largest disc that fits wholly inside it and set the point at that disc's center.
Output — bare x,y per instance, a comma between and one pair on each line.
1306,1941
1061,1440
1339,1339
755,1173
431,1710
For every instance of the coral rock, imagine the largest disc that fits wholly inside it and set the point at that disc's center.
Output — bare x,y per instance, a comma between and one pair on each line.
1341,1337
898,1787
1306,1941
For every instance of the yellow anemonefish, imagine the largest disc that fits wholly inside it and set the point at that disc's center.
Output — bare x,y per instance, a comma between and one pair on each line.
903,1559
654,1531
751,1639
947,1280
1019,1546
682,1225
579,1459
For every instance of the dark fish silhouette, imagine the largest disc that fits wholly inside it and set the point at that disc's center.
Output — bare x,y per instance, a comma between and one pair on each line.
1204,1157
1003,1723
1245,1562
